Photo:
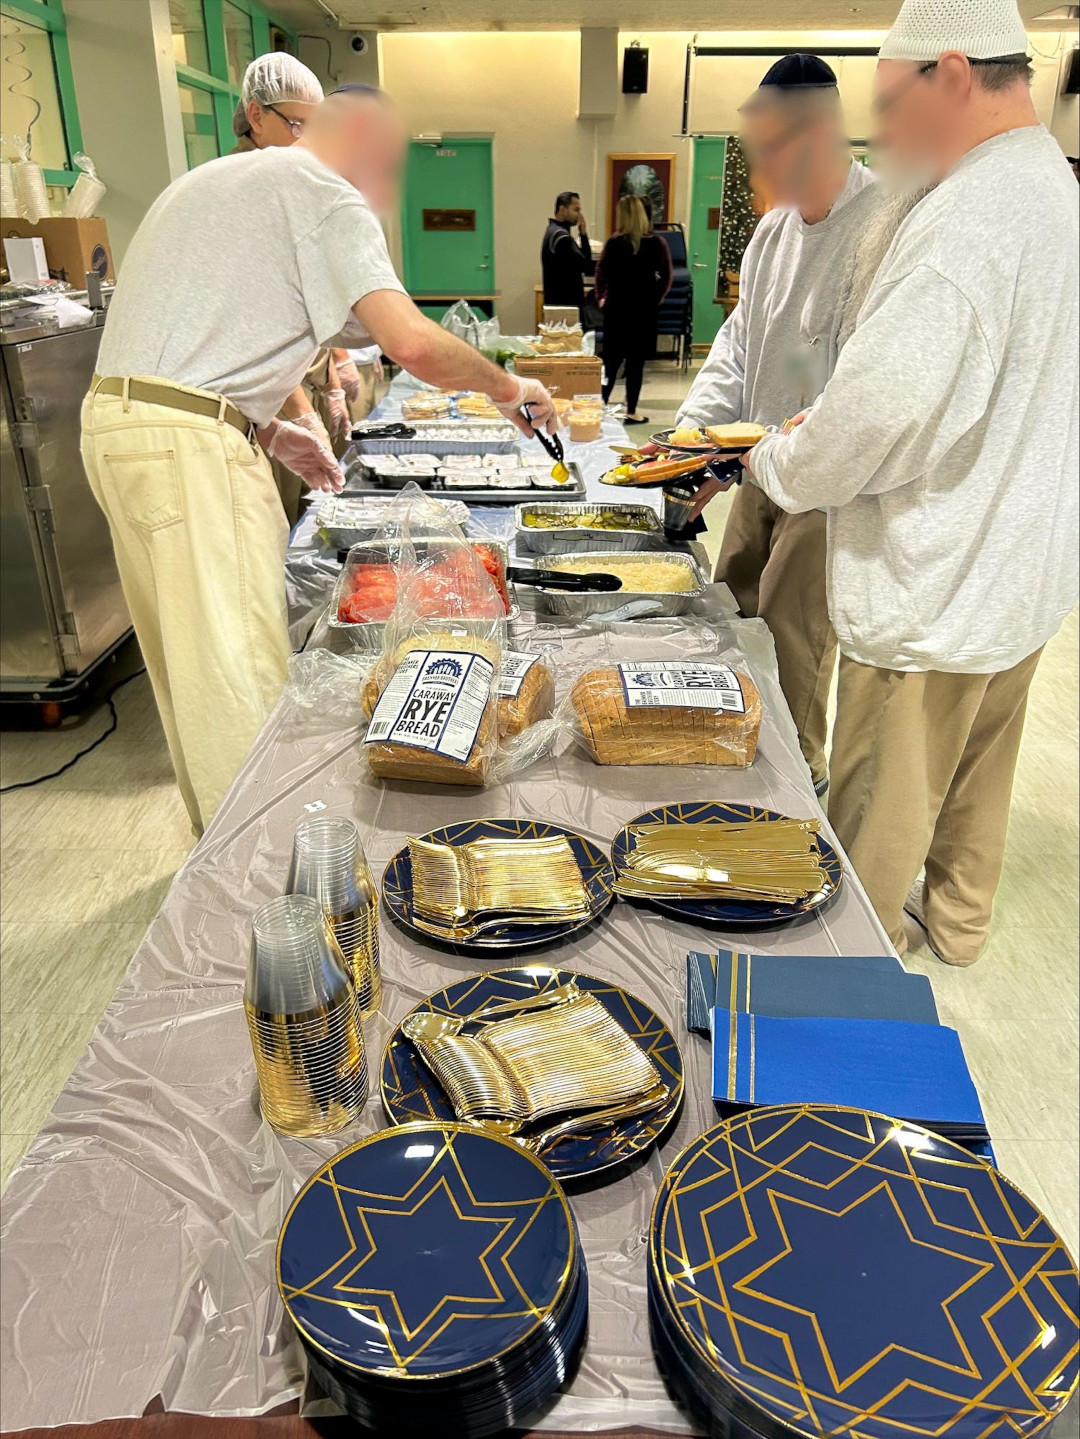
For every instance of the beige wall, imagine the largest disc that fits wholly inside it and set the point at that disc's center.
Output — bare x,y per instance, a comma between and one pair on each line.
523,90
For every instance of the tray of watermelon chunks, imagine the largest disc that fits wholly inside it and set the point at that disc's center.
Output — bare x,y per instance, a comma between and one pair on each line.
448,586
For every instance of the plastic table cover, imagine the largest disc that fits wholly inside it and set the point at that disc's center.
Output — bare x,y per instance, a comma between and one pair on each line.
140,1229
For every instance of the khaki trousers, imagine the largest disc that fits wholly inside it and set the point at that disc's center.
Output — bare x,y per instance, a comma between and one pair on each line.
774,565
200,537
922,774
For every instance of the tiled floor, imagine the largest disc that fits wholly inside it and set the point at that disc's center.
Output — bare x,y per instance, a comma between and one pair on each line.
87,858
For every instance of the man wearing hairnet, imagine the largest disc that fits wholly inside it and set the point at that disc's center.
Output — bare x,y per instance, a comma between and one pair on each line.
277,97
271,256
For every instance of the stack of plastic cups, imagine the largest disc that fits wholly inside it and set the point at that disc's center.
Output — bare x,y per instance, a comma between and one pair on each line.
304,1021
329,864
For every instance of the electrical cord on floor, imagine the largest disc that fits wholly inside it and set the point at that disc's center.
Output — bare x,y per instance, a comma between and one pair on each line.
114,721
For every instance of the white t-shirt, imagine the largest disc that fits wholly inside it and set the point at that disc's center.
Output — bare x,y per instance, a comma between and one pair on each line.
240,271
945,445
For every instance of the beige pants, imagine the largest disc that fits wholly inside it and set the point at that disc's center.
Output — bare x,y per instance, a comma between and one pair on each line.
922,773
199,536
774,565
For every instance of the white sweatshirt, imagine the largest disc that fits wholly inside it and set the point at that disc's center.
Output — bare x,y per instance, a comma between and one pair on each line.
777,348
945,445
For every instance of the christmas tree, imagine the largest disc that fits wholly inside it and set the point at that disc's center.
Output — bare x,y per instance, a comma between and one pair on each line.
737,217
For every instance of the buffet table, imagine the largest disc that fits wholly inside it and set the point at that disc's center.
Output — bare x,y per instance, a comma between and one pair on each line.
140,1228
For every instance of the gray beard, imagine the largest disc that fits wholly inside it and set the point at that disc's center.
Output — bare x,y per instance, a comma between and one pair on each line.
891,212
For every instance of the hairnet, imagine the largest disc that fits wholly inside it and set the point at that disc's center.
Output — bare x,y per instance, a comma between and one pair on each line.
272,79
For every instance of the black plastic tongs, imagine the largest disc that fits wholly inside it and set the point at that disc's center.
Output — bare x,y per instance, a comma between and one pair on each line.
554,447
392,430
562,579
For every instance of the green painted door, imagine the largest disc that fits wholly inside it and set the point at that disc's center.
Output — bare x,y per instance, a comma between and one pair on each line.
706,197
448,229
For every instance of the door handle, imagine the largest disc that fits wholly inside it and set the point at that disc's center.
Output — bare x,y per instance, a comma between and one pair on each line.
697,265
483,267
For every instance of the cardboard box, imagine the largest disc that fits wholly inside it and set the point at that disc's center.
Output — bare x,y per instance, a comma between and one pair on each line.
25,259
564,375
72,247
567,314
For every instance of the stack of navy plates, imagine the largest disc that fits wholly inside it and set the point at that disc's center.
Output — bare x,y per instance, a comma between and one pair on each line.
818,1270
435,1277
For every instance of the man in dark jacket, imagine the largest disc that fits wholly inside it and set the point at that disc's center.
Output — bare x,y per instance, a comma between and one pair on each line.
564,263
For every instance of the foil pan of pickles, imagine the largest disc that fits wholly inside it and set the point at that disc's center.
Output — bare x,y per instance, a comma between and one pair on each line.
553,529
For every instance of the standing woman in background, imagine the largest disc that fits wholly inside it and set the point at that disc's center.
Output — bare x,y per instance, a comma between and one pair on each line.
633,275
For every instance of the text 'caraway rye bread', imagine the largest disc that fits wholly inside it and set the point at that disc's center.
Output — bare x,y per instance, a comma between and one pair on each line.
399,761
618,733
515,713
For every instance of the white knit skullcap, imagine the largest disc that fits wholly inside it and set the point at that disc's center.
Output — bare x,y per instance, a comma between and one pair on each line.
979,29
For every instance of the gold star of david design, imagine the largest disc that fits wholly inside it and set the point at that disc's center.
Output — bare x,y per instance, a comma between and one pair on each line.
490,1230
752,1152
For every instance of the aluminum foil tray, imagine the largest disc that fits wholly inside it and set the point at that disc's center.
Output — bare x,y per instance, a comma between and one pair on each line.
575,605
348,520
443,437
369,636
566,539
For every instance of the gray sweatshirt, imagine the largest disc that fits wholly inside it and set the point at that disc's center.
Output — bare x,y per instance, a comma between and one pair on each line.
777,348
945,446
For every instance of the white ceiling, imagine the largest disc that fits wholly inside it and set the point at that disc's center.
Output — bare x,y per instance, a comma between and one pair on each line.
704,15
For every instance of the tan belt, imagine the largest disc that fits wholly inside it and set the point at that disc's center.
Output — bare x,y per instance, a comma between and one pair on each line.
147,393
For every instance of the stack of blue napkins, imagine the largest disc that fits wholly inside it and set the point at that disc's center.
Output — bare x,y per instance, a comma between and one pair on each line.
861,1032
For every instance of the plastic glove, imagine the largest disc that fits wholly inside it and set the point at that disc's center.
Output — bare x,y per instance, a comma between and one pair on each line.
340,419
305,449
532,393
349,378
378,369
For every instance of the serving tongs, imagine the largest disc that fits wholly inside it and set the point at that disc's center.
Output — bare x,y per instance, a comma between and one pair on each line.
563,579
554,447
393,430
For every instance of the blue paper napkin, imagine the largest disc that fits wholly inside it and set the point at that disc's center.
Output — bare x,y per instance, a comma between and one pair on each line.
790,985
912,1071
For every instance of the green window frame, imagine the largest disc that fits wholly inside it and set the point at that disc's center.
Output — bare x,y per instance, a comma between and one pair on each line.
48,15
216,81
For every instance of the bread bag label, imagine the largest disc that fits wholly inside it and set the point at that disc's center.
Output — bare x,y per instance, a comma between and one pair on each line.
516,664
655,684
434,702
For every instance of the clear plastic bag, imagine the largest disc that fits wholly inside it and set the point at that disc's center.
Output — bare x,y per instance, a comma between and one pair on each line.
87,192
432,696
31,196
472,327
9,205
699,709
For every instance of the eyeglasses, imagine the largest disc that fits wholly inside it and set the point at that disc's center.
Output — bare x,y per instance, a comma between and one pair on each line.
296,127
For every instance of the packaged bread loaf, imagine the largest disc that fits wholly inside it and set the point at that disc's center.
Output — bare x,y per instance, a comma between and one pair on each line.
668,712
434,715
525,689
526,692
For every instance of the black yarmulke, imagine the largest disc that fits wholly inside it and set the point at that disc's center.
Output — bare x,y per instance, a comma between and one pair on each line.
800,72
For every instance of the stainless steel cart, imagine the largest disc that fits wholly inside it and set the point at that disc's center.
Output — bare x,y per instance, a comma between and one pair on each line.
62,611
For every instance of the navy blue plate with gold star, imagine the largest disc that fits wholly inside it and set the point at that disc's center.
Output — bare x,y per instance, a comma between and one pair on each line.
411,1093
436,1281
732,913
818,1270
595,866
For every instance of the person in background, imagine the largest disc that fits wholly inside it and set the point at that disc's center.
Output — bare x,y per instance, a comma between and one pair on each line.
633,275
178,425
772,357
368,367
277,97
563,263
945,447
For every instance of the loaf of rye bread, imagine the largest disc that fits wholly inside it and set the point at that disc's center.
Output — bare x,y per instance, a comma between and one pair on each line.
617,733
397,761
514,713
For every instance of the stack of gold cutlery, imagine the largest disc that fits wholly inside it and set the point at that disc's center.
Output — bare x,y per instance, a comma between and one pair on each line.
777,860
513,1064
534,881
